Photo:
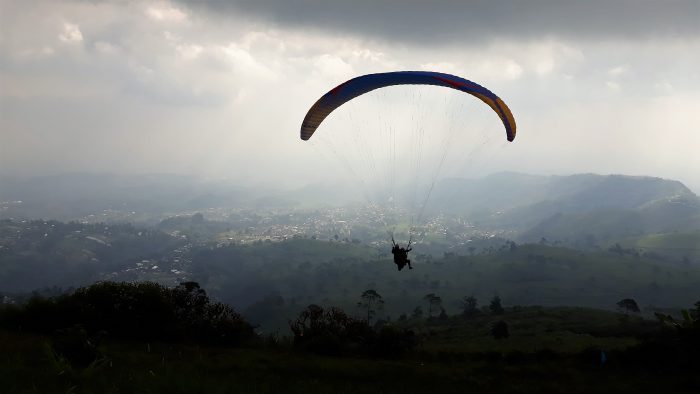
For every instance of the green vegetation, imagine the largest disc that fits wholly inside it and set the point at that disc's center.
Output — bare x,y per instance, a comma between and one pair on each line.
132,368
532,329
39,253
675,246
269,282
522,349
525,274
137,311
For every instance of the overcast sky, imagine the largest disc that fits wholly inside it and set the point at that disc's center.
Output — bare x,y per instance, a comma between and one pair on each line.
219,89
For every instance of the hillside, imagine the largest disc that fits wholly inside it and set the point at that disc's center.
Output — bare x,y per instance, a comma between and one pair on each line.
512,197
580,210
503,200
586,228
547,350
678,246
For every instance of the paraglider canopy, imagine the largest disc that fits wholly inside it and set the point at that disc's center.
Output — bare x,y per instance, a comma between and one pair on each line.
369,148
366,83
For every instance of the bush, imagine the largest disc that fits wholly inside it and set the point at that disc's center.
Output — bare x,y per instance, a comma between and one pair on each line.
392,341
333,332
142,311
76,346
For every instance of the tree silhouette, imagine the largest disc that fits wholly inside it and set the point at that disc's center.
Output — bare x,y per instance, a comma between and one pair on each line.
629,305
433,301
333,332
370,300
139,311
495,306
696,312
417,313
616,249
469,306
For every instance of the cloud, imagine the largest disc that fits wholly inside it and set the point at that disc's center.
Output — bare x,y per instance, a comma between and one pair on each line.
71,33
241,59
455,21
612,85
106,48
218,88
333,66
166,13
189,51
664,87
619,70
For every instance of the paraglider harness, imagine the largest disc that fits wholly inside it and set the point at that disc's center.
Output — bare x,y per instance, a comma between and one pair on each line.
401,254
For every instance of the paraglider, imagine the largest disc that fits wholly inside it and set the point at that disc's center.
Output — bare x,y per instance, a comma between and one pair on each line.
358,86
401,254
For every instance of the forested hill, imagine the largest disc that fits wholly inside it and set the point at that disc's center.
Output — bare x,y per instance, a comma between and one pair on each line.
572,206
573,193
503,199
578,210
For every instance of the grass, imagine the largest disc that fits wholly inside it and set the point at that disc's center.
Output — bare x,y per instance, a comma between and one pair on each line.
130,368
548,352
532,329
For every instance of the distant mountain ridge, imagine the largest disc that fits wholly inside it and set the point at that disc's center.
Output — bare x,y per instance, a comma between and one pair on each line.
531,206
581,192
69,196
574,206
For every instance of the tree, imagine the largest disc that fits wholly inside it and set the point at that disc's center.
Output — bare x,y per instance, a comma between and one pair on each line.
417,313
469,306
495,306
328,332
142,311
696,312
433,301
370,300
690,322
617,249
629,305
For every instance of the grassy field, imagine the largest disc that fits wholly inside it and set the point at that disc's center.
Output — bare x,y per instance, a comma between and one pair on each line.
565,330
551,350
28,365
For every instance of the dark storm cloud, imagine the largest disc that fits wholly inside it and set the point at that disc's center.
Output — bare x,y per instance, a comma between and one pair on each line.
465,21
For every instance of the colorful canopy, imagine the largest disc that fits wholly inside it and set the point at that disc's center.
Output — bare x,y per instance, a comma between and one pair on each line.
366,83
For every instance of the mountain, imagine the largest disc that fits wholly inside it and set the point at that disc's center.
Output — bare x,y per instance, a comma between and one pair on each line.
581,192
529,207
78,195
572,207
601,224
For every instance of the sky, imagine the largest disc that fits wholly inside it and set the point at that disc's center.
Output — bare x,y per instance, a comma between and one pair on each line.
219,89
